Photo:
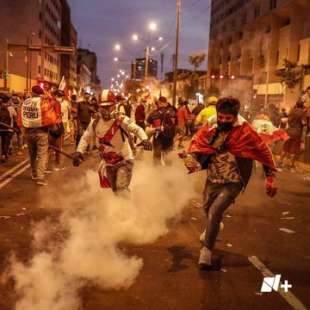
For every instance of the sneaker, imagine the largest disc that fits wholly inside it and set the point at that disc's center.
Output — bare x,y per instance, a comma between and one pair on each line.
47,171
205,258
41,182
34,177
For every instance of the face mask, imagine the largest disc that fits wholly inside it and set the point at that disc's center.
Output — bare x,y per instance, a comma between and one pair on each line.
225,126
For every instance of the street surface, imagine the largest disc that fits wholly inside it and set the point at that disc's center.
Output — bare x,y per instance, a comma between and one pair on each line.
170,278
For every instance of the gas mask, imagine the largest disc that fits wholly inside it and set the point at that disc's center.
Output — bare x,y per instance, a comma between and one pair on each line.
106,113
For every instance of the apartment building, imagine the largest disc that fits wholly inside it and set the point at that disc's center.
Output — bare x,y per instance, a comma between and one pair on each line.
249,41
38,23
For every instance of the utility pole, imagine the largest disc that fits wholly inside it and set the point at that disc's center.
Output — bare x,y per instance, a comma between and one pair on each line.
176,58
28,65
6,65
147,54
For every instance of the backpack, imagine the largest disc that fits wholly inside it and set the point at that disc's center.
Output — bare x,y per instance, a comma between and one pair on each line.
38,112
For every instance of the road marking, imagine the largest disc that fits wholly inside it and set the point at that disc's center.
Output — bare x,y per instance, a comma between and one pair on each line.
4,175
11,178
286,230
289,296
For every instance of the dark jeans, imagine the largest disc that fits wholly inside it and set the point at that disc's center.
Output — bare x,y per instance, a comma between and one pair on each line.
5,137
217,199
81,127
162,147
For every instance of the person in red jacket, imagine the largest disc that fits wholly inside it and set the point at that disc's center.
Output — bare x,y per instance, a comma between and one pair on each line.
227,151
184,116
140,115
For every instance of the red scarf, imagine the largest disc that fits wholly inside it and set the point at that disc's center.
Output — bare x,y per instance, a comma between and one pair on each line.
243,141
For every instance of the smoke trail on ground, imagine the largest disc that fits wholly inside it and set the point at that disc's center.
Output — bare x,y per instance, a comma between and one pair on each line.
94,223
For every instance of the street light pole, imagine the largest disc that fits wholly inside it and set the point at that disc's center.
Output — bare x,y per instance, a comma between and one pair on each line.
147,53
6,65
176,58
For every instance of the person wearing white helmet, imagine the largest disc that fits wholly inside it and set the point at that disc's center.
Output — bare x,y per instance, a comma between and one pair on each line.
112,132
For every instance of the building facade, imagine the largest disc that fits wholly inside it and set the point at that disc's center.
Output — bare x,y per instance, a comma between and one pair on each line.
138,68
88,59
250,41
40,24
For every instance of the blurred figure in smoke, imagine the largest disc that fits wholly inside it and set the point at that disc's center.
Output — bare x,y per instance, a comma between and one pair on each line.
84,114
227,151
6,125
184,116
112,132
163,121
296,121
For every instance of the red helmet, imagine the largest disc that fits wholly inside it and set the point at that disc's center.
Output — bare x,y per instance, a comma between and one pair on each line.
107,99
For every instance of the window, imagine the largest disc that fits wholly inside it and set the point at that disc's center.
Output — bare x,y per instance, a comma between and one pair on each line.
256,11
273,4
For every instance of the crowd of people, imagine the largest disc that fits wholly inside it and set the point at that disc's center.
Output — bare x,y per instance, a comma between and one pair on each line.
221,140
167,126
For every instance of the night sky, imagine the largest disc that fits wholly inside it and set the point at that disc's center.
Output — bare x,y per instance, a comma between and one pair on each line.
103,23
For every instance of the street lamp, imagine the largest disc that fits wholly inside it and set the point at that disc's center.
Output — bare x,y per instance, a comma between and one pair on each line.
152,26
135,37
115,59
117,47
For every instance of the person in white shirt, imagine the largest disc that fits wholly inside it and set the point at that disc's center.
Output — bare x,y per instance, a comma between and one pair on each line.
111,132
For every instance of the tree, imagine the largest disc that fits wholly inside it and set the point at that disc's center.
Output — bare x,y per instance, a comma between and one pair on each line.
291,75
196,60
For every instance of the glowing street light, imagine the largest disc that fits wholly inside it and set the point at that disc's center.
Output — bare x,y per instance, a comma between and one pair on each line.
115,59
153,49
152,26
112,79
135,37
160,38
117,47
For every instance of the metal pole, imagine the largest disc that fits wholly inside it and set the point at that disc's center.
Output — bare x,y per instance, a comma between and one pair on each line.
267,79
146,62
6,65
175,73
27,67
134,69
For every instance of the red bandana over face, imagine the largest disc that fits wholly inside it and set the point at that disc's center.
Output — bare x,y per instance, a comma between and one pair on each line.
242,141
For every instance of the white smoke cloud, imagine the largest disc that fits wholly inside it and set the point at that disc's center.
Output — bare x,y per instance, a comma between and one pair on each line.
93,225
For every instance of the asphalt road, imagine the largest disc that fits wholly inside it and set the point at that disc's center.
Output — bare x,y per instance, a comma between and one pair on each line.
170,278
